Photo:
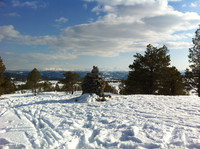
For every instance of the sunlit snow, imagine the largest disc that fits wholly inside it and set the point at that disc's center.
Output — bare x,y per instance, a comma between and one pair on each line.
56,120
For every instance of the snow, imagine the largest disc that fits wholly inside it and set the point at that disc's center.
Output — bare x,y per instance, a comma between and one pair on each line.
56,120
115,85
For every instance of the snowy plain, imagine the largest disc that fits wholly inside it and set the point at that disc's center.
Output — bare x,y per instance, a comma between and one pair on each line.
56,120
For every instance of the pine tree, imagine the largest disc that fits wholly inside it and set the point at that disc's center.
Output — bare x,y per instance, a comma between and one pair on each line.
57,88
193,76
47,85
171,83
2,69
110,89
146,70
122,87
33,79
151,74
9,87
70,80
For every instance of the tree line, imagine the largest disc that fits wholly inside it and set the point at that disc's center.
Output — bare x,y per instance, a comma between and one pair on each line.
35,83
150,73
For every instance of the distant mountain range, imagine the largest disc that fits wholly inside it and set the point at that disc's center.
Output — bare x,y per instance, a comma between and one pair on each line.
58,75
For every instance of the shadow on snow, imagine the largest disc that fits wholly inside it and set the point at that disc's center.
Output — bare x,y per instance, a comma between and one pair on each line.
72,100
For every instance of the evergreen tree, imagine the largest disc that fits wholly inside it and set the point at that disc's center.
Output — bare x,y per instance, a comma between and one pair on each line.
110,89
171,83
70,80
189,81
122,87
47,85
6,86
146,70
57,88
193,76
151,74
2,69
33,79
9,87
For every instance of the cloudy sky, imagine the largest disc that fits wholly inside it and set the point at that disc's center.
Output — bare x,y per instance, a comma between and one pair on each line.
77,34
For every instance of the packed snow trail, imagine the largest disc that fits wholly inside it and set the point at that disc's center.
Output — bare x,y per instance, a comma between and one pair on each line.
56,120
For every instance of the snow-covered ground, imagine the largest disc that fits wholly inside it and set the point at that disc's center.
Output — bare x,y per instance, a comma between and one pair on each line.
56,120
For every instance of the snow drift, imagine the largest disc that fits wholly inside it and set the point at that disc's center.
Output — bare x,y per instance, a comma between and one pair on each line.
55,120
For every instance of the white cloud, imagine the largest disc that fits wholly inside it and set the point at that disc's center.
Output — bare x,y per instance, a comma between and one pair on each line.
31,4
178,45
174,0
184,5
61,20
128,25
8,32
1,37
85,6
193,5
123,2
43,62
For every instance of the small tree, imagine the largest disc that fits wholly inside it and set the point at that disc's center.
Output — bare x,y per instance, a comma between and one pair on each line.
2,69
47,85
32,80
9,87
110,89
193,76
57,88
122,87
71,78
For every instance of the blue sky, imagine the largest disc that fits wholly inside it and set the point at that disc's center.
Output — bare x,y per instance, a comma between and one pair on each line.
77,34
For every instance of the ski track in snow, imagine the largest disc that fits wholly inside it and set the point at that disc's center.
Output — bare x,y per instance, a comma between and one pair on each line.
55,120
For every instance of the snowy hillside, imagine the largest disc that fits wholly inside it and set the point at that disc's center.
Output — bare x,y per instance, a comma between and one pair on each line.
55,120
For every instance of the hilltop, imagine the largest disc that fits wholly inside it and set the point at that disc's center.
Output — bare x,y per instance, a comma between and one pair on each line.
56,120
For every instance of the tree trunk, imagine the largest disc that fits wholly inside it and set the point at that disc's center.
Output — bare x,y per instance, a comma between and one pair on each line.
198,90
35,91
198,86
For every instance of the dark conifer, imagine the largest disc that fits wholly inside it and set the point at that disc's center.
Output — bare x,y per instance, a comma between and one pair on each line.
192,76
110,89
2,69
33,79
47,85
71,78
146,70
171,82
9,87
151,74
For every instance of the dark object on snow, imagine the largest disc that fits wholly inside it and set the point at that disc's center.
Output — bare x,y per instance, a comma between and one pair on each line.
93,83
102,99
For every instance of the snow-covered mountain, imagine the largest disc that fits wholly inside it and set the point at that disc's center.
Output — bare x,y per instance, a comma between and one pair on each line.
60,121
58,75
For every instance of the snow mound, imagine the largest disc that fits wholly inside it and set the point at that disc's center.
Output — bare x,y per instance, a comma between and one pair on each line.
88,98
